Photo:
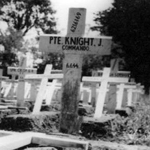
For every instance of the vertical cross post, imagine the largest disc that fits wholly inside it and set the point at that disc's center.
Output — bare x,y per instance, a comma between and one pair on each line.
42,88
2,78
72,68
120,91
102,93
130,93
120,96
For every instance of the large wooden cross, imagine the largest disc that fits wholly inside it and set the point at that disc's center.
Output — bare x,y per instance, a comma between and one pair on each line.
74,45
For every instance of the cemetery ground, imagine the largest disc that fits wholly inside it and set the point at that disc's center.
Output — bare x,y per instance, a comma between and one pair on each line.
108,133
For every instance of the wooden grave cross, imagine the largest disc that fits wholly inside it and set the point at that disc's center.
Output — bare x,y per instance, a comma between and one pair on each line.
106,78
42,88
120,91
85,89
21,71
136,93
2,78
115,73
43,78
35,79
74,46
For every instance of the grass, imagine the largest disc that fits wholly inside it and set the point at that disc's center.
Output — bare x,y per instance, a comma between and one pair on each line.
134,129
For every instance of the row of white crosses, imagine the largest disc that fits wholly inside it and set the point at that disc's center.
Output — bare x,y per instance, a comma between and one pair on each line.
104,77
53,84
131,87
25,74
49,88
52,87
123,77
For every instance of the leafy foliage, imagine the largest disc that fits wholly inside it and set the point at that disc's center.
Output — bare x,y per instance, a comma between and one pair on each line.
55,59
133,130
93,62
22,15
11,41
128,23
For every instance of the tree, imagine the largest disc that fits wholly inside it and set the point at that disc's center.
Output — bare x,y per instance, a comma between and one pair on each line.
128,23
11,41
22,15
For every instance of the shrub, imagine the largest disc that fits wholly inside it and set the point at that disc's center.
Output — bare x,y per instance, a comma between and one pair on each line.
134,129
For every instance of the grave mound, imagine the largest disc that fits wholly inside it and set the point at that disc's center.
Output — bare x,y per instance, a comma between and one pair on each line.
42,122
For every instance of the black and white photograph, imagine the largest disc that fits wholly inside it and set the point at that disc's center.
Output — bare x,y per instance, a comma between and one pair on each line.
74,74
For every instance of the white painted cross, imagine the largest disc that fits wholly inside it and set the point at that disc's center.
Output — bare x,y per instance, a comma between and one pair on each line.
36,79
104,80
42,88
136,93
116,74
120,91
2,78
74,45
44,80
21,71
31,95
83,90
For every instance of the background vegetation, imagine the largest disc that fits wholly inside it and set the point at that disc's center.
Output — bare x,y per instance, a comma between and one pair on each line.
128,23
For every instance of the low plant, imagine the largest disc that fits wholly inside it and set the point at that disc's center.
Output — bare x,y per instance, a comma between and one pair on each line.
134,129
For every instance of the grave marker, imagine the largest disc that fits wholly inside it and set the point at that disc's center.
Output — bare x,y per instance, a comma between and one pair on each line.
74,45
21,71
44,80
50,92
2,78
136,93
38,78
38,102
120,94
112,95
104,79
